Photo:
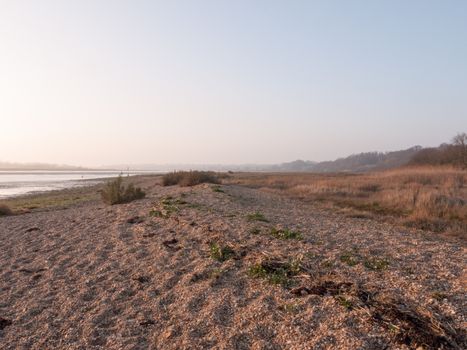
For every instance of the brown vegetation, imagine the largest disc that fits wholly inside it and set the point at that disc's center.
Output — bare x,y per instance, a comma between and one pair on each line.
115,192
5,210
433,198
190,178
453,154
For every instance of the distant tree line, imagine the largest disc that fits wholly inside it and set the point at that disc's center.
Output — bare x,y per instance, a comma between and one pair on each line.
454,153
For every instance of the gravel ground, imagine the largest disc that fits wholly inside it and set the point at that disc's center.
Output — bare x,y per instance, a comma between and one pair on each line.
144,275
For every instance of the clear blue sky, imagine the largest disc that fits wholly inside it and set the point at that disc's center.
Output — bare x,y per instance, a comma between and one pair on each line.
104,82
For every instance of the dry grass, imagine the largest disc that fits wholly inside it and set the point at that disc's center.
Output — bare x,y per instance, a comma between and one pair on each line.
190,178
432,198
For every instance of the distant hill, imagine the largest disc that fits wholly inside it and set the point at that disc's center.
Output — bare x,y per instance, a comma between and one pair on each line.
369,161
361,162
454,153
37,166
297,165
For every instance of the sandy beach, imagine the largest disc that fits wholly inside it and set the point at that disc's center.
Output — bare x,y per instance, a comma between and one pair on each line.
143,275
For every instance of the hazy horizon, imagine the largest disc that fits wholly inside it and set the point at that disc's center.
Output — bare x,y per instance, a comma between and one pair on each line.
95,83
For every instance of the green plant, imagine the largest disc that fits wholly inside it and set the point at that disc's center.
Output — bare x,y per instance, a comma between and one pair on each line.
350,259
156,213
216,273
115,192
221,253
217,189
255,231
376,264
195,206
257,216
167,206
276,272
290,308
5,210
327,264
344,302
439,296
285,234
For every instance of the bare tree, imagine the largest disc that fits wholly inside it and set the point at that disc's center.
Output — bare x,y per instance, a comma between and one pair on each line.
460,142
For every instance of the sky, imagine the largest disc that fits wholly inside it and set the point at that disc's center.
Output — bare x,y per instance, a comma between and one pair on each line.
94,82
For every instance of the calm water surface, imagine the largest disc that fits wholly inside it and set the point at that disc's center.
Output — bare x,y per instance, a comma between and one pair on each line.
15,183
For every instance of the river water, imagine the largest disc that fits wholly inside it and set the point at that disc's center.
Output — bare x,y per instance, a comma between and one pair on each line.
15,183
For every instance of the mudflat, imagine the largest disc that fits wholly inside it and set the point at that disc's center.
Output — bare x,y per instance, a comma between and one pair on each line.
224,267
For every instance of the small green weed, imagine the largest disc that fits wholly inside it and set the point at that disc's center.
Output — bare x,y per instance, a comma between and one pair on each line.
167,206
290,308
216,273
376,264
217,189
276,272
221,253
257,216
285,234
439,296
327,264
156,213
344,302
350,259
255,231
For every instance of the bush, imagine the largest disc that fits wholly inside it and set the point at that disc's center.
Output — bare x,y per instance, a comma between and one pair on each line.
116,193
4,210
189,178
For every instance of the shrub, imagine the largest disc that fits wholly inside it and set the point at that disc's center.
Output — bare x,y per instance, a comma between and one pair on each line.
116,193
189,178
5,210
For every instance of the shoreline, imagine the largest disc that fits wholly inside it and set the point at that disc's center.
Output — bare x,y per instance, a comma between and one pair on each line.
56,184
59,198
